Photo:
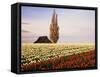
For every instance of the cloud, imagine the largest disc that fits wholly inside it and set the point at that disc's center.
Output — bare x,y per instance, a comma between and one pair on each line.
27,36
25,23
25,31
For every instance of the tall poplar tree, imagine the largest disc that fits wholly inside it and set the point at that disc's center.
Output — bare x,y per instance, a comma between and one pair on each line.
54,28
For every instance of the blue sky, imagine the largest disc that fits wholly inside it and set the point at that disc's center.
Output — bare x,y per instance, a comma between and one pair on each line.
75,25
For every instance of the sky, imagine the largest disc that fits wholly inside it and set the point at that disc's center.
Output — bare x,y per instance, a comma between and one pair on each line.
75,25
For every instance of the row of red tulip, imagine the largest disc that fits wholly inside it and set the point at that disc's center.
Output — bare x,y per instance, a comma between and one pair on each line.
85,59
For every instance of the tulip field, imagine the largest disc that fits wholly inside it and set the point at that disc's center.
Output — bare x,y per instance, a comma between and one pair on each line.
46,57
